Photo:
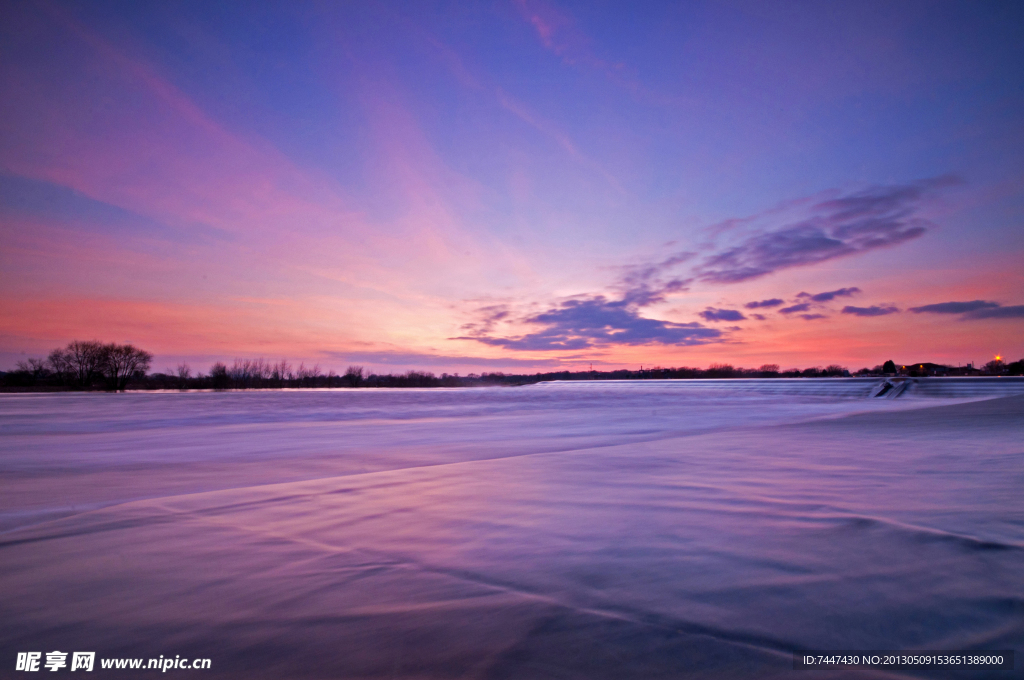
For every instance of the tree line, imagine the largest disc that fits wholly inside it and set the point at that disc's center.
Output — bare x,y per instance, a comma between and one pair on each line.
94,365
84,365
263,374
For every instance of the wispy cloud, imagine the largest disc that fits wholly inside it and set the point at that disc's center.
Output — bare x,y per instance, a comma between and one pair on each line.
955,307
761,304
837,227
423,359
973,309
648,284
551,131
1008,312
487,318
559,32
555,29
476,81
712,314
830,295
806,302
829,227
60,204
595,321
519,110
870,311
797,233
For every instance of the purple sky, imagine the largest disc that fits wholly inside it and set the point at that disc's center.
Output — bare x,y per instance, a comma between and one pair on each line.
514,185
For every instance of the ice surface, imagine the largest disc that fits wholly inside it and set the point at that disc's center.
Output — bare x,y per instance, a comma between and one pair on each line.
598,530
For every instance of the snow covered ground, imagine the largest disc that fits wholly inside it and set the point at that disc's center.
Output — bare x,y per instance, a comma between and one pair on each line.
571,530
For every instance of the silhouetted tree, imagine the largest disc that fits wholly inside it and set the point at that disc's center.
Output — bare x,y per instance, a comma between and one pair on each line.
120,362
720,371
184,373
995,367
354,376
79,363
219,378
36,368
889,367
27,373
60,364
281,372
307,377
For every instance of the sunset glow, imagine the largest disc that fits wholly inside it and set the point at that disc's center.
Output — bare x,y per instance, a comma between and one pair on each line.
514,186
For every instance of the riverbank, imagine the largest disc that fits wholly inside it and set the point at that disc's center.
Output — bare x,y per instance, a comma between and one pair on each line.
630,530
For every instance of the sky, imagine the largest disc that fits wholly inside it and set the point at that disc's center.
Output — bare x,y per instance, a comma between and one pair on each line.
514,185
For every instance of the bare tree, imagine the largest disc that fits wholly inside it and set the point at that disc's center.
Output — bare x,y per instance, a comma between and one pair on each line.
60,363
354,376
251,372
121,362
184,373
87,360
307,377
34,367
280,372
219,376
239,373
79,362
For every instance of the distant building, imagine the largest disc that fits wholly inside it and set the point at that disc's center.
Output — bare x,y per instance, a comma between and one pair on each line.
926,368
966,369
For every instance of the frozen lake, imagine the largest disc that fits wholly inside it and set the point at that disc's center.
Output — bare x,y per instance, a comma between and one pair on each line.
653,529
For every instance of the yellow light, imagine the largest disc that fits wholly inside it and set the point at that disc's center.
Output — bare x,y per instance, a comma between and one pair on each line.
998,358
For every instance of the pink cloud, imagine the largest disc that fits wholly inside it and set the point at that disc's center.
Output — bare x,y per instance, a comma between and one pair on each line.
560,33
557,31
155,152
